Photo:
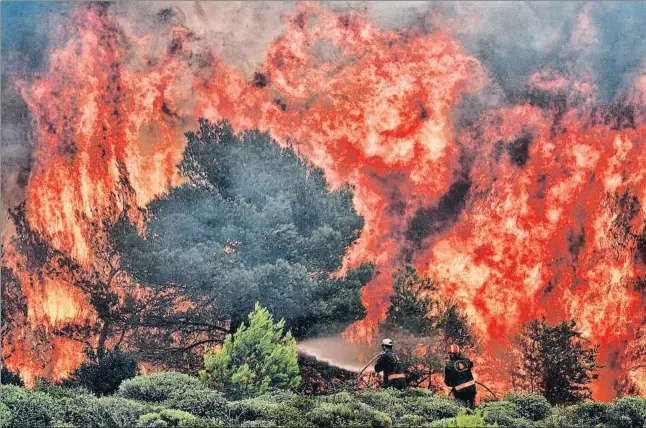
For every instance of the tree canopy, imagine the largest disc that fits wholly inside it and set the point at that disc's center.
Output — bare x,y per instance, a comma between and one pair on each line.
555,361
254,222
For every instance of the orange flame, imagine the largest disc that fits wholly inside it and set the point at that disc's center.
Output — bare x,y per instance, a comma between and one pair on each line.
549,220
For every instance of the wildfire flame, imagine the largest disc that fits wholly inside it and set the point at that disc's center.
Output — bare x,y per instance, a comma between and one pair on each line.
546,194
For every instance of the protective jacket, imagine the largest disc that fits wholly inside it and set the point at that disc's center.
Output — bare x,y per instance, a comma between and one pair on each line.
458,375
393,369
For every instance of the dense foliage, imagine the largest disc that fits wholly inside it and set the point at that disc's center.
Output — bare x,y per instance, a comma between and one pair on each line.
254,222
7,377
555,361
255,359
174,400
102,375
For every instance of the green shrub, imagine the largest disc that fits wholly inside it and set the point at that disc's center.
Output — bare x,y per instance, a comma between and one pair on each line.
172,418
338,398
159,387
106,412
534,407
258,424
12,394
59,424
329,415
256,359
80,411
103,375
414,392
264,408
409,421
440,423
57,391
34,409
627,412
387,401
5,413
7,377
589,414
503,413
120,412
432,408
463,419
412,402
208,404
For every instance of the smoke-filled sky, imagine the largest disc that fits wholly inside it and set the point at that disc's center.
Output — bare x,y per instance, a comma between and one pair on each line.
512,39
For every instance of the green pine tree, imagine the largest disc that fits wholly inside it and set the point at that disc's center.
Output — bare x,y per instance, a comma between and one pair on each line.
555,361
257,358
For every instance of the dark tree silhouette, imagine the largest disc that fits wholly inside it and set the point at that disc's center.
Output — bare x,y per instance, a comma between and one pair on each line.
556,361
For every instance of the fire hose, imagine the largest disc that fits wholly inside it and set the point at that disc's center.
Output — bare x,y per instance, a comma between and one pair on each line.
369,362
482,385
479,383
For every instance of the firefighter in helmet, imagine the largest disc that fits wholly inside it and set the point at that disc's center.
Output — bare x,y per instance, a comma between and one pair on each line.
392,367
458,376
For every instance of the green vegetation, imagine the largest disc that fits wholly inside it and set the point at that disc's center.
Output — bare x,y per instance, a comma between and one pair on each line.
173,400
555,361
253,223
255,359
103,375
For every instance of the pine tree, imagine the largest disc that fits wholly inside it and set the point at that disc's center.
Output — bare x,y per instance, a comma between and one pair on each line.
257,358
556,361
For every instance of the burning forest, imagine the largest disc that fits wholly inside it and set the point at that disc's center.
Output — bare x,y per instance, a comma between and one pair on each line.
166,166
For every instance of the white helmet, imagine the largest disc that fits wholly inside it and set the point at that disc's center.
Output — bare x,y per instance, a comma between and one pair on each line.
386,342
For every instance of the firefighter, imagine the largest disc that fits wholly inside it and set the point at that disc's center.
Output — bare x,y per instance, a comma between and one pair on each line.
458,376
392,367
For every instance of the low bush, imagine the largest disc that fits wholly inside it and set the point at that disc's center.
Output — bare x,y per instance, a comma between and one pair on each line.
159,387
432,408
80,411
33,409
503,413
208,404
264,408
12,394
105,412
589,414
120,412
103,375
7,377
258,424
534,407
329,415
420,403
387,401
167,418
463,419
409,421
627,412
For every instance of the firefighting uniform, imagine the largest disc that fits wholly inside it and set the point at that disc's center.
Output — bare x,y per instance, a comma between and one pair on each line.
393,369
457,374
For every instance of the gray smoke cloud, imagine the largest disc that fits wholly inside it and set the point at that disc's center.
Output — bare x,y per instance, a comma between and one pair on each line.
512,39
